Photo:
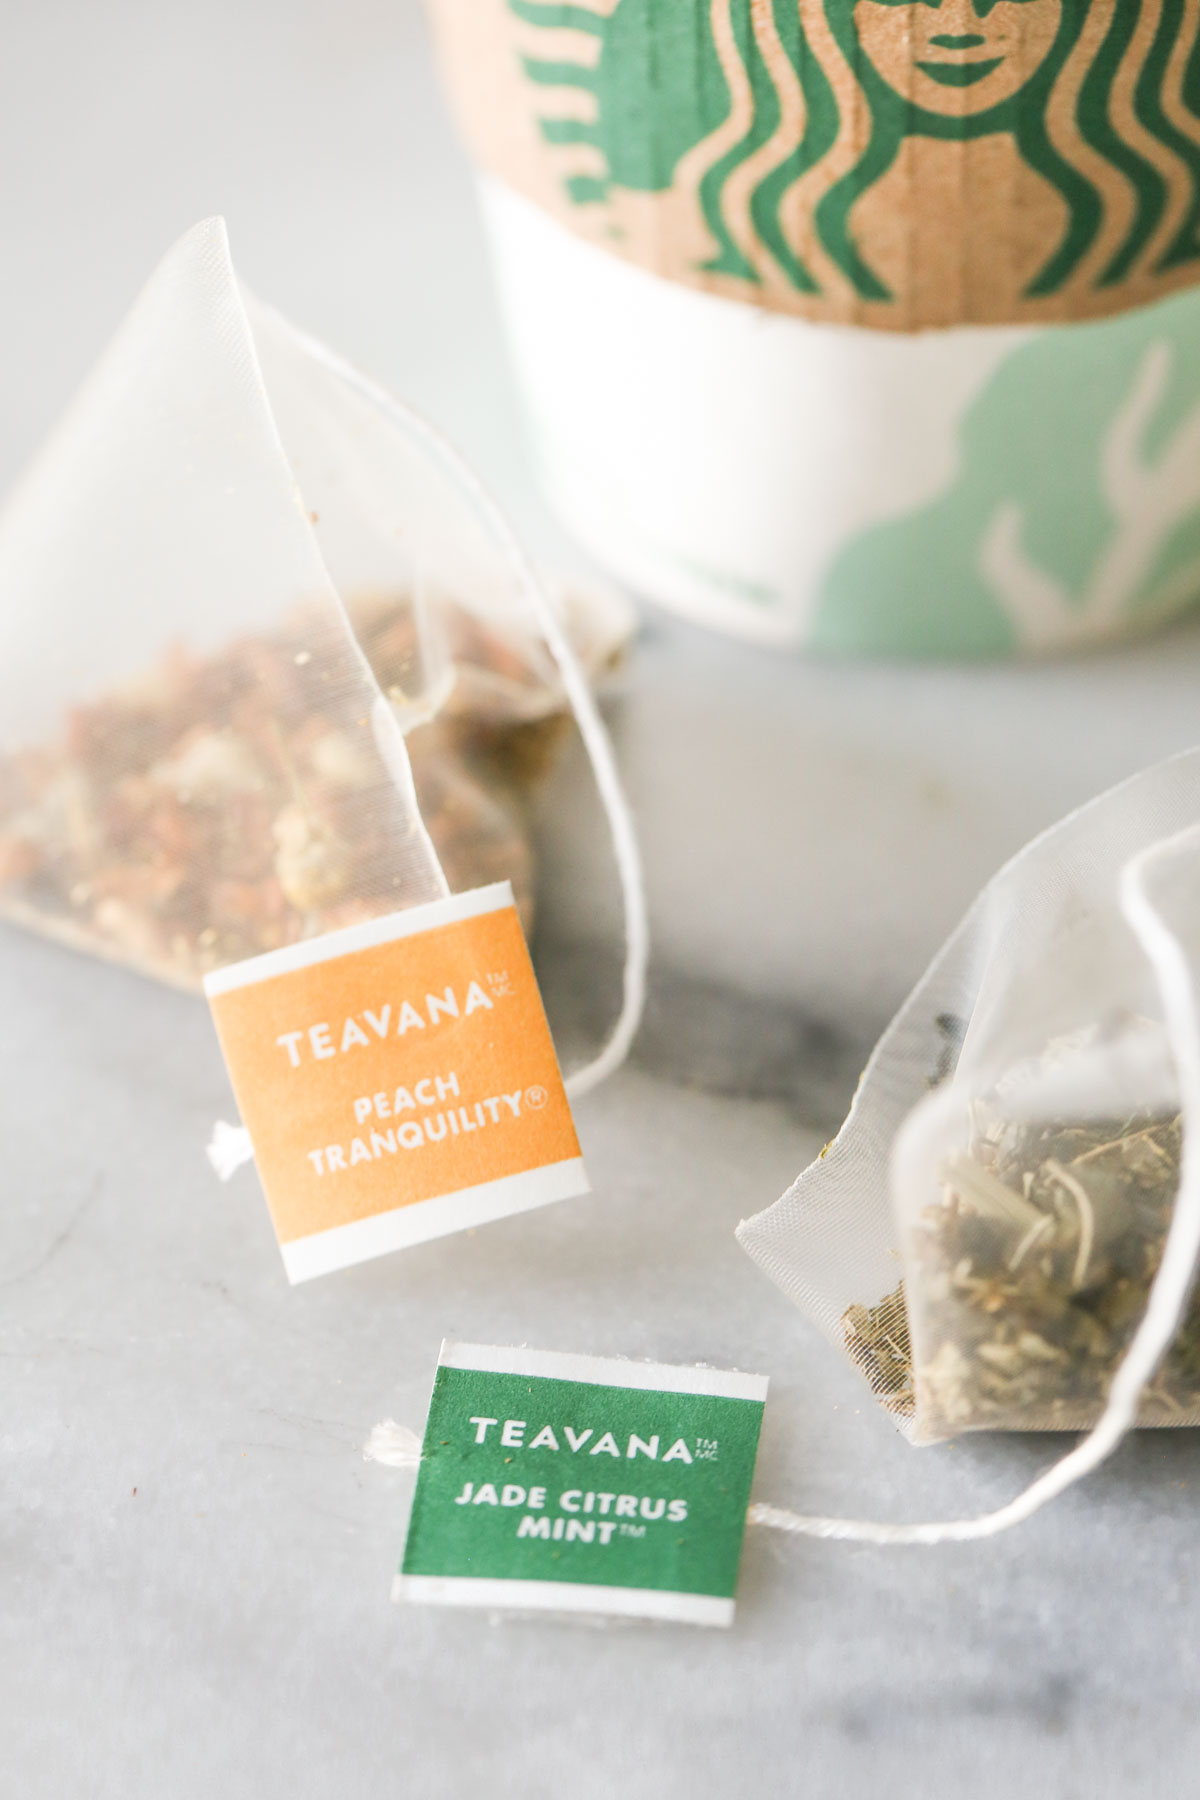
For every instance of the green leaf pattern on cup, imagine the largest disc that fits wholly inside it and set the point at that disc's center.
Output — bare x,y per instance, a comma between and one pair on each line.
1049,538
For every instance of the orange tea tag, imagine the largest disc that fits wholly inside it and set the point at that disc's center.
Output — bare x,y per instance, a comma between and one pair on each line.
398,1080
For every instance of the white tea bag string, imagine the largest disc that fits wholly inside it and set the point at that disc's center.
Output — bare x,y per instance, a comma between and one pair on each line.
230,1147
1172,1284
583,704
393,1446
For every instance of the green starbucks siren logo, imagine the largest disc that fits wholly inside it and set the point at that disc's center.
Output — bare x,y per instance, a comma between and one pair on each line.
794,110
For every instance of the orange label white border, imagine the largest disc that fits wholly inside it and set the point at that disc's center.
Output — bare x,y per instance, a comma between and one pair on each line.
362,1240
365,1239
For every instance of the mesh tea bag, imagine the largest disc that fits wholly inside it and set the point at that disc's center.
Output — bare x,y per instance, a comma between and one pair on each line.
269,663
983,1236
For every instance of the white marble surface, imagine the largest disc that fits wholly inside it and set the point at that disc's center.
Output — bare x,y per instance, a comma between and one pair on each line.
195,1560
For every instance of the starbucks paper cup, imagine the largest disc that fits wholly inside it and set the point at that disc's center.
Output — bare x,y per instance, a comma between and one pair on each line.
869,327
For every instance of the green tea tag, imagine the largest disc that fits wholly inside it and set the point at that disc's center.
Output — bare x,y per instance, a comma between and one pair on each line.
566,1484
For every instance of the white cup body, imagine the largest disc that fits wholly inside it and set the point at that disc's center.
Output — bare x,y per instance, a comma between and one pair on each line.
855,490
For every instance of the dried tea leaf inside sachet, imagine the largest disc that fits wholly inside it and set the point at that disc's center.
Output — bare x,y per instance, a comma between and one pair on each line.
981,1237
201,755
1029,1268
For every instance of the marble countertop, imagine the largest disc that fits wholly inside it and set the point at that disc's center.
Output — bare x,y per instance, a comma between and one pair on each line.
196,1559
